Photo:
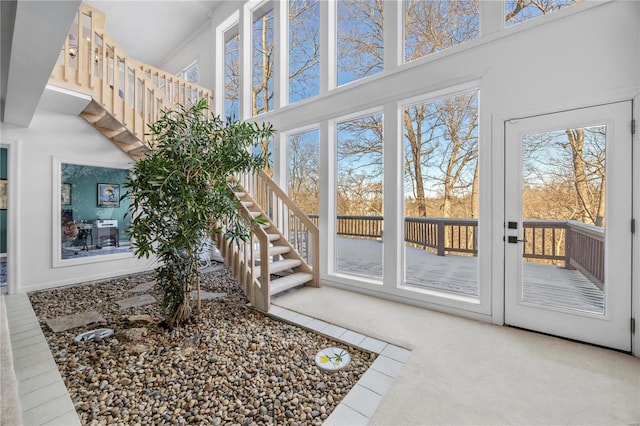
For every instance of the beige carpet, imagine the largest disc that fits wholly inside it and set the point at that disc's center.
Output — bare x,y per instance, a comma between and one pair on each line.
10,413
466,372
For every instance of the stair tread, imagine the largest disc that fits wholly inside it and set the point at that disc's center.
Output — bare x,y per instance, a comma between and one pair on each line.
275,250
290,281
109,122
273,237
248,204
280,265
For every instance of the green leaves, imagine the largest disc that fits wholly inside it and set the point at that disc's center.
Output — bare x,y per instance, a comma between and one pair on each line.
179,193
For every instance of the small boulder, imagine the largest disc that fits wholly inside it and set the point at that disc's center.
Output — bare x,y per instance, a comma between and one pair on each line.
144,320
134,334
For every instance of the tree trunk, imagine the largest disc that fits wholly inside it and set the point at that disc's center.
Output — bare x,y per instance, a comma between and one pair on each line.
474,192
413,136
576,140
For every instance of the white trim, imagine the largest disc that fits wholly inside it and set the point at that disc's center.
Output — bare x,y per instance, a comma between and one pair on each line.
56,238
14,284
393,12
220,64
635,267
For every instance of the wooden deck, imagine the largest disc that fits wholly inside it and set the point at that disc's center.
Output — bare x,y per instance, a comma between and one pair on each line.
543,284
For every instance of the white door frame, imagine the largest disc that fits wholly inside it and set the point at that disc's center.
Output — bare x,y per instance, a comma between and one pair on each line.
616,319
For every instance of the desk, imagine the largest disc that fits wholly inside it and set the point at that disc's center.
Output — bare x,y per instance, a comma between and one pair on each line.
107,236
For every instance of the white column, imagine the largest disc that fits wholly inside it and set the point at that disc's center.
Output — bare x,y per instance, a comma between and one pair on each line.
280,54
393,188
491,16
393,34
327,46
244,85
327,197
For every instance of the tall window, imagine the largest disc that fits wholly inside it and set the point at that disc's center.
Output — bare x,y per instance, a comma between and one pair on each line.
262,63
431,26
360,39
359,199
304,49
517,11
304,171
441,194
232,75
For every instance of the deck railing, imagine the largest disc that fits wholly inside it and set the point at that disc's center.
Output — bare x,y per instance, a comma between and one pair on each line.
570,244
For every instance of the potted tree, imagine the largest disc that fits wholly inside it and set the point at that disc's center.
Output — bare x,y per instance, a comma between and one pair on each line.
180,195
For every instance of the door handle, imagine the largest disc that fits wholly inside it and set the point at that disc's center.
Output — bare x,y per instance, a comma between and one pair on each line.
512,239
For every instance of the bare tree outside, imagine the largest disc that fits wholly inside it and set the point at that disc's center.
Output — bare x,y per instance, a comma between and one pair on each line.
564,175
232,75
523,10
432,26
360,38
304,49
304,170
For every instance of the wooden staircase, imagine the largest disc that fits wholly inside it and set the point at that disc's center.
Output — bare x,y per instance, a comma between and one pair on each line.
282,249
127,96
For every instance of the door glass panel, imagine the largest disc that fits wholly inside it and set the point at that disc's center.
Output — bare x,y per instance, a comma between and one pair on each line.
359,197
563,211
441,194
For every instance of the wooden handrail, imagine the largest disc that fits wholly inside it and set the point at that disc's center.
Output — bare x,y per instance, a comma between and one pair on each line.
91,62
288,201
176,88
241,258
300,231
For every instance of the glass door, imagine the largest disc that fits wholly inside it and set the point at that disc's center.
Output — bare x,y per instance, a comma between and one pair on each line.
568,224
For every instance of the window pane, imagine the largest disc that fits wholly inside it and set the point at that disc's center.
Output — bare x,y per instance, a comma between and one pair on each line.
304,171
441,194
359,194
304,49
517,11
563,212
262,71
231,75
191,73
432,26
360,39
92,217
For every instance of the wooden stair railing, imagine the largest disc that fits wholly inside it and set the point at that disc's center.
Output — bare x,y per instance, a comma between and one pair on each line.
297,229
125,97
274,258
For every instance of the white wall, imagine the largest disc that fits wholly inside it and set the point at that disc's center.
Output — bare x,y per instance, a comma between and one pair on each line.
70,138
581,56
199,47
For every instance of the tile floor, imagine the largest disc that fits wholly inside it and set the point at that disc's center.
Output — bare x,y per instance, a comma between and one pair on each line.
45,400
363,399
43,396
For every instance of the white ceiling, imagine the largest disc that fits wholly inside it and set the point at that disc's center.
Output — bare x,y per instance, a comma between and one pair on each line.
149,30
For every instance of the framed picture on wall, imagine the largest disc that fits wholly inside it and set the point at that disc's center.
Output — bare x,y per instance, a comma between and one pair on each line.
4,190
108,195
65,194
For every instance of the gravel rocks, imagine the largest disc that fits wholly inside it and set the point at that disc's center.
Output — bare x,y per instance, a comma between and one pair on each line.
229,365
